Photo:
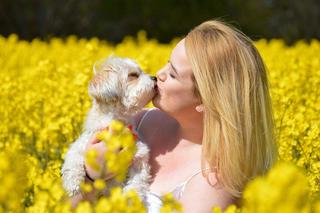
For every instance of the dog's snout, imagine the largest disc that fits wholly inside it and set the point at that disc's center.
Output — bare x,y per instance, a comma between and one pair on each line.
154,78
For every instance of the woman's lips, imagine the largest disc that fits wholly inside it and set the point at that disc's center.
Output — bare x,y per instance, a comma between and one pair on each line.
156,91
156,88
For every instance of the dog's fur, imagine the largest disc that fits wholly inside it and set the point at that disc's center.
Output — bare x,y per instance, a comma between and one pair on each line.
119,90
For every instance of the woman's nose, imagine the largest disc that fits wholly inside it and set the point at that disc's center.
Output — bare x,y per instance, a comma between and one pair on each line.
161,76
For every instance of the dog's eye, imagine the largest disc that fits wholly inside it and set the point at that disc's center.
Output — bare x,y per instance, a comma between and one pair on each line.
133,75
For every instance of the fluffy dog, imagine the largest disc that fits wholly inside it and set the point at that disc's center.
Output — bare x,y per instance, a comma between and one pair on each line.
119,89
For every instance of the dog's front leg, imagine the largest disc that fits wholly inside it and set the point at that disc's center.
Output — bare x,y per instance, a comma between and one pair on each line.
73,172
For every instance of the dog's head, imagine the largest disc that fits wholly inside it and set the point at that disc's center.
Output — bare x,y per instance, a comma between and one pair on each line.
120,82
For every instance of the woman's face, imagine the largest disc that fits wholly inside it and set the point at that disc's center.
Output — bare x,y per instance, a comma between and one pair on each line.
175,85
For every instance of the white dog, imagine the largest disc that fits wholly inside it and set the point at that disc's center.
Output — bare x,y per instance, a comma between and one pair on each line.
119,90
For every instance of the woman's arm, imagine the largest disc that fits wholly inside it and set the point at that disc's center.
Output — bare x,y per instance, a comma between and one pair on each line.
90,196
101,148
91,174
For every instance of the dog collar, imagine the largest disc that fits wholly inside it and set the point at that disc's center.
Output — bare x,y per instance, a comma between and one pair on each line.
130,127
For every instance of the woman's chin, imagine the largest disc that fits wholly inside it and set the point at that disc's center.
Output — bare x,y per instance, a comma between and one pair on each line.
155,100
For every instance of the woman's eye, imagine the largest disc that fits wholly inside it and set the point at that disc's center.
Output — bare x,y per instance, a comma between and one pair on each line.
172,76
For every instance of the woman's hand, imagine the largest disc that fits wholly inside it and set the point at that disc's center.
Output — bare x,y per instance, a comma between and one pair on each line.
100,148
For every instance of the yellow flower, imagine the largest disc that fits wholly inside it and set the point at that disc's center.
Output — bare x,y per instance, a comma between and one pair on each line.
116,126
99,184
91,159
84,207
170,204
86,187
104,135
44,101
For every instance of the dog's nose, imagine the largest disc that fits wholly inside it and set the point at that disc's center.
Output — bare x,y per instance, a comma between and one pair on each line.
154,78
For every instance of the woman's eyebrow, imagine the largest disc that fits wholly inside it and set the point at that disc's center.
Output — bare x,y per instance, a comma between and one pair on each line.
174,69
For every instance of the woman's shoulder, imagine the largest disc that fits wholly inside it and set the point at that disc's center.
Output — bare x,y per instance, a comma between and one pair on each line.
150,121
146,117
137,118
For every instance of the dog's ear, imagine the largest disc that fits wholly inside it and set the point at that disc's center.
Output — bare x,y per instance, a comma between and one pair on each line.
102,63
104,87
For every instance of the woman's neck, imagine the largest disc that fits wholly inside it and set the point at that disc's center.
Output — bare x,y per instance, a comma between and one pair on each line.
190,129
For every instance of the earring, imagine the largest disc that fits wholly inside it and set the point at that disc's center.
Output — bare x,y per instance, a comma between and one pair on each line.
199,108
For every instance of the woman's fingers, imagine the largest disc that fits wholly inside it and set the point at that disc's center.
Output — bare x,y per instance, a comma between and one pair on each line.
94,139
101,148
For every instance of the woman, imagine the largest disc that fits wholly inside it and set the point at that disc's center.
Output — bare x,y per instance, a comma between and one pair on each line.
212,128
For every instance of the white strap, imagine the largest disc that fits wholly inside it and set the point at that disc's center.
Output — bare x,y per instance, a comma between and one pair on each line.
143,117
178,190
189,178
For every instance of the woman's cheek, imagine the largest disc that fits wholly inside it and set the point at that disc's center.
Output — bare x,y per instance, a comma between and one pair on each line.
177,100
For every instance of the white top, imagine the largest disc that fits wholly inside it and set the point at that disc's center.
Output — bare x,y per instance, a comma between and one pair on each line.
153,200
154,203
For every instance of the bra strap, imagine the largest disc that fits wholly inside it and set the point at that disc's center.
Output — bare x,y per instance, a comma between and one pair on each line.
143,117
186,181
178,190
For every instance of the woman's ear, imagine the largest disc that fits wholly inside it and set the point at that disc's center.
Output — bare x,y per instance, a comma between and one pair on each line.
199,108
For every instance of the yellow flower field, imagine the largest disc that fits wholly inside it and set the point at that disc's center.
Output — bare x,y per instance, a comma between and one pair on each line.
44,101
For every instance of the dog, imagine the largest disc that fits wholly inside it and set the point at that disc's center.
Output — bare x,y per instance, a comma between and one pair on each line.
119,89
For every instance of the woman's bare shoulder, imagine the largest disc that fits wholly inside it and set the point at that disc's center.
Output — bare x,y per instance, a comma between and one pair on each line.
150,119
201,196
150,124
136,119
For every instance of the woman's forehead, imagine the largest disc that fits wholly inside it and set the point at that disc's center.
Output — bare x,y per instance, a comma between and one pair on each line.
179,59
179,50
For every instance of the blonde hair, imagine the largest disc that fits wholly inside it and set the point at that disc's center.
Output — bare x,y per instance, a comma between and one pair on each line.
231,80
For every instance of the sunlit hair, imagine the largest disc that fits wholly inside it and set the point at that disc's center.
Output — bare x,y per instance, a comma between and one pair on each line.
231,80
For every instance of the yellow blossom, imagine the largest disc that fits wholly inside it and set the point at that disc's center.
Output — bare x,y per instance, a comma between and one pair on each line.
99,184
44,101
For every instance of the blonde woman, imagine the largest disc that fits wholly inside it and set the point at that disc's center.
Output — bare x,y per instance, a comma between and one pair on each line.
212,128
